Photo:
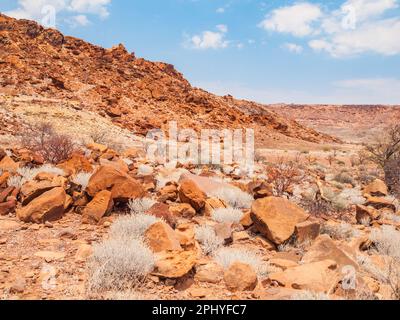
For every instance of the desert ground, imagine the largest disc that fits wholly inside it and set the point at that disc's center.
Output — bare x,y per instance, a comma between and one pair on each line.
85,213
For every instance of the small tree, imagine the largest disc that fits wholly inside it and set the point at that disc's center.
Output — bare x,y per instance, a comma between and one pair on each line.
385,152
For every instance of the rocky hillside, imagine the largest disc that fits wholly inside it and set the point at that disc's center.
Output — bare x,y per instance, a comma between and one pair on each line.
136,94
351,123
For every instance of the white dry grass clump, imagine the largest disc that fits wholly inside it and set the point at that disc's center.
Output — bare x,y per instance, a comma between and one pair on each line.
227,256
117,264
386,241
392,217
132,226
340,231
138,206
15,181
234,197
208,239
145,170
28,174
82,179
227,215
127,161
309,295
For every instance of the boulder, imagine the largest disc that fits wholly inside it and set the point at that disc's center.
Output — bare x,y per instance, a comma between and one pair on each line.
122,186
260,189
8,206
6,193
161,210
47,207
276,218
191,194
380,203
4,178
209,273
324,248
168,193
33,189
100,206
97,147
211,204
240,277
246,221
161,237
377,188
174,264
182,210
9,165
364,213
307,231
2,154
117,164
77,163
319,276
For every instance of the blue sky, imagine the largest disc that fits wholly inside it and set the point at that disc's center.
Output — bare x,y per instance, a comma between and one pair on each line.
335,51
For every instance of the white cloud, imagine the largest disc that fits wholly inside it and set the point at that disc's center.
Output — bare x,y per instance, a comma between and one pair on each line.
72,10
297,19
356,27
210,39
79,20
292,47
97,7
381,37
220,10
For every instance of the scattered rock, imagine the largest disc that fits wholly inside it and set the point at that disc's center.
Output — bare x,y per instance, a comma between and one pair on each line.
368,214
122,186
307,231
182,210
210,273
47,207
380,203
324,248
84,252
161,237
100,206
240,277
174,264
8,164
50,256
377,188
190,193
276,218
318,276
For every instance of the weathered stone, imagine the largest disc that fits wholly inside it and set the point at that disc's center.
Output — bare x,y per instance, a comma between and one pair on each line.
377,188
210,273
47,207
319,276
100,206
368,214
191,194
307,231
174,264
276,218
161,237
182,210
122,186
240,277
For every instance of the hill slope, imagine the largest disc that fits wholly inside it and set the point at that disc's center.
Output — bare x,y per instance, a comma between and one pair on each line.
136,94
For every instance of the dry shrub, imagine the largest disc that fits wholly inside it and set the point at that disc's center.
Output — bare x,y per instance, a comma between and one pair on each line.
44,140
284,175
227,215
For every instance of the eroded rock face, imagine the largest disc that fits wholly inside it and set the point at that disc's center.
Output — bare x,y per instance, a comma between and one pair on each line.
240,277
47,207
122,186
190,193
276,218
